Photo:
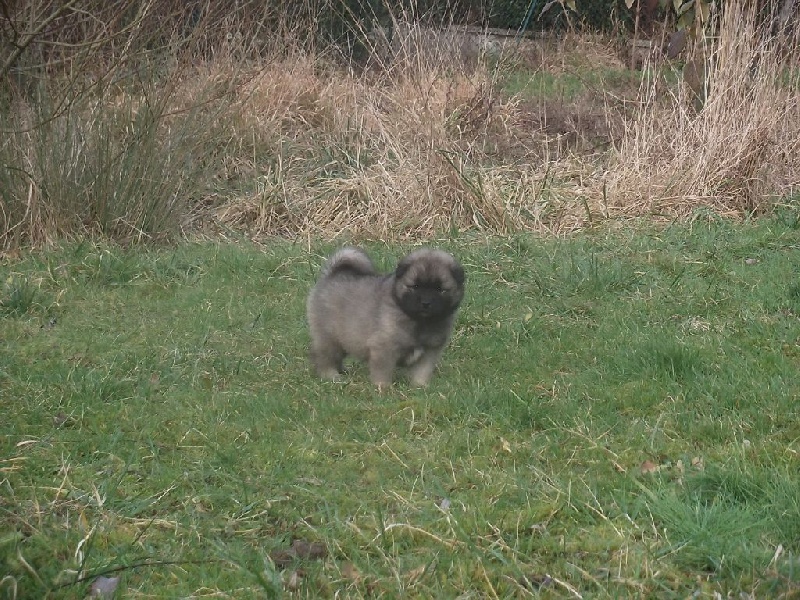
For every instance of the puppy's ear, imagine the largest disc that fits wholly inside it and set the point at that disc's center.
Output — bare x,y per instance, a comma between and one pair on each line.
458,273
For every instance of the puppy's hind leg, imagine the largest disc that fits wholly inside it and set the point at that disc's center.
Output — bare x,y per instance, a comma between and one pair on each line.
327,358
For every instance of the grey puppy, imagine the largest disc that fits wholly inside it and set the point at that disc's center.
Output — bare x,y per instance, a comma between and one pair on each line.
400,319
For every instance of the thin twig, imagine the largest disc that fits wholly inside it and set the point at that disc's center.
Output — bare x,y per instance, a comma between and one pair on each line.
146,563
20,47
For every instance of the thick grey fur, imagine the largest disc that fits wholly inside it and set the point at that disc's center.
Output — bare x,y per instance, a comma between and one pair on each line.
404,318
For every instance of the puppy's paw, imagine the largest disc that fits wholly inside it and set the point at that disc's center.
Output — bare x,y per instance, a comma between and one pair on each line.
420,380
330,374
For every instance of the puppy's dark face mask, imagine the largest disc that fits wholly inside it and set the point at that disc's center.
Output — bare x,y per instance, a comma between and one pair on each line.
428,291
424,301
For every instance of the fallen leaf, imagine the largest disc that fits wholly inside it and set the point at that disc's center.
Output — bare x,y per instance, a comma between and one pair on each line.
103,587
61,419
415,575
648,467
300,550
311,550
505,445
350,572
282,558
294,580
697,463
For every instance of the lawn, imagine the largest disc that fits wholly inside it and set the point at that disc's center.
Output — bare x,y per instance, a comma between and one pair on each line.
617,416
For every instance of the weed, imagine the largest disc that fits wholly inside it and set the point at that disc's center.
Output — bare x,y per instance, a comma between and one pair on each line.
18,296
429,135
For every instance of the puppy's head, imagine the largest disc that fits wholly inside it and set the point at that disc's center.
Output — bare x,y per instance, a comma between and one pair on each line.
429,284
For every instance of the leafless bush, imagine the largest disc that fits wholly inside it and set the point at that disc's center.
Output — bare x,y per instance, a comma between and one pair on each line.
107,110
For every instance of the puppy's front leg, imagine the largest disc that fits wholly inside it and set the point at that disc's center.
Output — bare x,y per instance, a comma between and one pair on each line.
422,370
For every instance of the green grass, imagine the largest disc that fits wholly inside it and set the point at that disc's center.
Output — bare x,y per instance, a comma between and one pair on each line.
617,417
567,86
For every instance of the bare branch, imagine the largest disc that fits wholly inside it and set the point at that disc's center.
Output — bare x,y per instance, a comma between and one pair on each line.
29,38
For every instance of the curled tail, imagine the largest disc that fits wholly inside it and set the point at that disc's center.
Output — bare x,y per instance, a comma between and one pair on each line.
349,260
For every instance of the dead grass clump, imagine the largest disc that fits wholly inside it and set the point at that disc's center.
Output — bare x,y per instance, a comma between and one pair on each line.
733,154
99,166
94,139
408,154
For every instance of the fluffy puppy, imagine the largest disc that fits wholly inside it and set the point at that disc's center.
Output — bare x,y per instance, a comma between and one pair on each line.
401,319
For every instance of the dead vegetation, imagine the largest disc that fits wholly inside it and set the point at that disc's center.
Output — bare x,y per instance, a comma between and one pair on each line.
726,139
409,144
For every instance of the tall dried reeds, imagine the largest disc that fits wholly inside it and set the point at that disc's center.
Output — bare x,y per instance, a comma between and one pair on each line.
398,149
238,119
733,149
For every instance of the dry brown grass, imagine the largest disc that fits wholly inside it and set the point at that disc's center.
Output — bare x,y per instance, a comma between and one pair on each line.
738,153
415,149
425,139
435,146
